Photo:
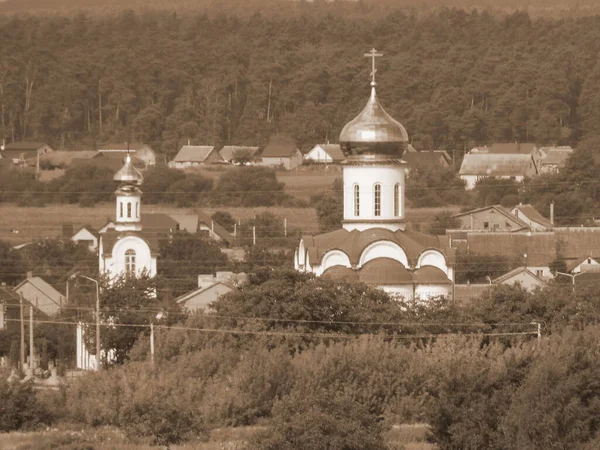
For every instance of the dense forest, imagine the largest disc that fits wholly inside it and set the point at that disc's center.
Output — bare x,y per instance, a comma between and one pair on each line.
453,78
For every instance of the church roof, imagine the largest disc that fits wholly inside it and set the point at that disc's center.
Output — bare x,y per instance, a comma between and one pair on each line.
128,173
354,242
111,237
430,275
338,273
385,271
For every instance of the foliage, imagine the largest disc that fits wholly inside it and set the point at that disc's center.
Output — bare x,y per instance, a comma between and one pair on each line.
225,219
330,207
493,191
475,268
20,407
157,181
434,186
12,265
188,191
249,186
442,222
321,421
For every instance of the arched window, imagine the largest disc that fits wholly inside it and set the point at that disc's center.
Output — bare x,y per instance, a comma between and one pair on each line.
128,210
397,200
356,200
121,209
377,199
130,261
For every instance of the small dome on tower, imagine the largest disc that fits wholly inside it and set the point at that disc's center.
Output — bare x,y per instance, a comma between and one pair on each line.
128,173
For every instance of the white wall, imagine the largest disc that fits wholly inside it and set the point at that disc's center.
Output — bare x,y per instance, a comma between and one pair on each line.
366,177
115,264
317,154
383,249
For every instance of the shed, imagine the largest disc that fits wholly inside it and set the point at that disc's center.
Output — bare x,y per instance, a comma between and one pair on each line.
281,151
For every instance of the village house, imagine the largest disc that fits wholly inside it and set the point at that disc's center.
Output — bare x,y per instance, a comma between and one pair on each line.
40,294
427,158
236,154
513,166
24,152
195,155
210,288
281,151
215,231
490,218
87,237
585,264
325,154
554,159
532,217
142,152
522,276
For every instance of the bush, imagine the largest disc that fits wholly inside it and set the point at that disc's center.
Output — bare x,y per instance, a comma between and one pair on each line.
188,191
20,408
249,186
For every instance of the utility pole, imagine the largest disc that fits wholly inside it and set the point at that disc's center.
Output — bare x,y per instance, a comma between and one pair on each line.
22,356
253,235
31,364
285,227
152,342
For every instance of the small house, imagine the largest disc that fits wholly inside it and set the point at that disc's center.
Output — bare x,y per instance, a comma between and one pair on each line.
281,151
210,288
87,237
237,154
554,159
429,158
325,154
196,155
531,216
490,218
522,276
23,151
515,166
41,295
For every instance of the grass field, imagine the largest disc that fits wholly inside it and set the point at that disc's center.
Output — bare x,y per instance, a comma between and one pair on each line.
407,436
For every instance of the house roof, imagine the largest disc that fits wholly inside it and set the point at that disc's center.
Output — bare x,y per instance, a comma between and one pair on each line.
500,209
333,150
577,242
385,272
534,215
525,148
183,298
513,273
491,165
93,231
67,157
194,153
24,146
280,146
556,157
571,264
158,221
229,152
218,229
430,275
340,273
354,242
427,158
539,247
52,301
187,222
8,296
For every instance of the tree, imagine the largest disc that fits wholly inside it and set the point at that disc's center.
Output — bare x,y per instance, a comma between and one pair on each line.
330,207
12,266
249,186
157,181
225,219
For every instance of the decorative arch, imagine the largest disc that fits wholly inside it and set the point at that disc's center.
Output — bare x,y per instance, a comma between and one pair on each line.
433,258
383,249
334,258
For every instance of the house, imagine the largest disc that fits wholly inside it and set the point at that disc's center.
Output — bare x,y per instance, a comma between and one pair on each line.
20,152
490,218
535,251
554,159
215,231
186,222
195,155
325,154
236,153
531,216
210,288
585,264
152,223
10,309
87,236
112,161
281,151
142,152
576,243
514,166
523,276
429,158
41,295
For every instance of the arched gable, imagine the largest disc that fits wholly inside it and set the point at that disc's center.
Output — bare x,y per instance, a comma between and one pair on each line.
334,258
433,258
383,249
144,262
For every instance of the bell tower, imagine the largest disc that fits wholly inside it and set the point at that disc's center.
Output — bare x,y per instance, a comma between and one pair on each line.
128,198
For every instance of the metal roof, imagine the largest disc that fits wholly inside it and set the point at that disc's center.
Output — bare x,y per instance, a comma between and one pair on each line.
194,153
490,165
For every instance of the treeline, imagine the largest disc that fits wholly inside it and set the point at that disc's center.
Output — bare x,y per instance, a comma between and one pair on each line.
289,352
87,185
79,81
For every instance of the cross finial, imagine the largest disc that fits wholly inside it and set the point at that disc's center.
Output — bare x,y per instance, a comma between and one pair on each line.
373,54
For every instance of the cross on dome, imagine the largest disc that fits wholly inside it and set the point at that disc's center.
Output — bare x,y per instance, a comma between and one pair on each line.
373,54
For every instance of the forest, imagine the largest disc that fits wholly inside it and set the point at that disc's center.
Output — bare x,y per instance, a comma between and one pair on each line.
454,78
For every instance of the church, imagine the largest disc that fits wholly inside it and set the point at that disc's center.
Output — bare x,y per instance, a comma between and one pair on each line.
127,249
375,245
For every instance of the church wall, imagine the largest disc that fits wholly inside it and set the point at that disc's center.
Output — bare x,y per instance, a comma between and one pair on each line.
366,177
143,259
433,258
334,258
383,249
426,292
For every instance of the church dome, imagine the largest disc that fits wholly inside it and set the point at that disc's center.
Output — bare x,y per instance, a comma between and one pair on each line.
374,132
128,173
385,272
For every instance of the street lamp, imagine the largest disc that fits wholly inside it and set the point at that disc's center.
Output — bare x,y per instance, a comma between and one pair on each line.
97,316
570,275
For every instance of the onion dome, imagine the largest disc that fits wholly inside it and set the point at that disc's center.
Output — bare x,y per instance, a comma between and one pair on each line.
128,174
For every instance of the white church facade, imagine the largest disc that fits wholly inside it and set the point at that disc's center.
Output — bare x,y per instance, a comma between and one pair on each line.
374,245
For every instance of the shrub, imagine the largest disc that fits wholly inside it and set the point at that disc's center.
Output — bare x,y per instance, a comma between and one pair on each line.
249,186
20,408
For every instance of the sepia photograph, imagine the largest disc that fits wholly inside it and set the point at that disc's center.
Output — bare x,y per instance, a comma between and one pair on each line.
300,224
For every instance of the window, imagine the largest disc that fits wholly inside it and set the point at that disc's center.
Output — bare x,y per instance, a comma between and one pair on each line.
130,261
539,272
397,200
377,199
356,200
486,225
128,210
137,210
121,209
